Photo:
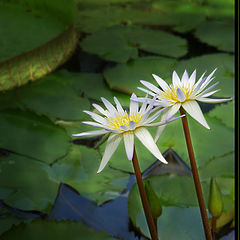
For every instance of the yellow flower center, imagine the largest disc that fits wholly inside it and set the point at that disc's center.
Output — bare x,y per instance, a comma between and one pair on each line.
123,119
171,94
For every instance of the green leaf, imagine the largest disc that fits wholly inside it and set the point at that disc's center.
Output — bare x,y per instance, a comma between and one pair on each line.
224,113
169,227
217,34
53,97
218,166
224,74
31,188
40,229
34,41
207,144
129,39
126,77
27,134
93,86
79,170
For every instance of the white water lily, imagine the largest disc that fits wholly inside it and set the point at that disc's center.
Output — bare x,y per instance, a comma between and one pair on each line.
122,124
183,92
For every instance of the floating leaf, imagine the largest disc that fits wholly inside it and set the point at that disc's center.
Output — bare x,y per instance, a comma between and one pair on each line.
79,170
128,39
40,229
217,34
37,62
126,77
224,113
218,166
31,135
29,182
51,96
224,74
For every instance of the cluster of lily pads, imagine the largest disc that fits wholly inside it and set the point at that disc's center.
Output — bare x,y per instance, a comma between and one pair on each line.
38,118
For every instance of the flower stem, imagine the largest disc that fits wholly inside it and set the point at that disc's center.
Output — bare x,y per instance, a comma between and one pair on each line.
144,199
196,176
214,228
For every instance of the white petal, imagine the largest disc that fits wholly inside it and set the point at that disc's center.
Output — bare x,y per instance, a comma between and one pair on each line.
207,94
145,137
124,128
208,79
109,106
201,80
185,78
172,110
96,117
156,115
161,123
128,138
94,124
208,89
175,80
213,100
132,125
150,86
161,82
192,78
193,109
101,110
118,105
180,95
90,133
112,144
146,91
133,105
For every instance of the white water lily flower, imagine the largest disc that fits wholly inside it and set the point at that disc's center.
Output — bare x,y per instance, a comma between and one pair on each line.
183,92
122,124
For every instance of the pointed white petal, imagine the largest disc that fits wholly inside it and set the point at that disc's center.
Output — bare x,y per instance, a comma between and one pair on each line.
161,82
128,138
90,133
207,94
156,115
132,125
192,78
133,105
200,82
101,110
118,105
112,144
208,89
180,95
150,86
146,91
185,78
145,137
204,85
208,79
176,80
94,124
193,109
161,123
109,106
96,117
213,100
172,110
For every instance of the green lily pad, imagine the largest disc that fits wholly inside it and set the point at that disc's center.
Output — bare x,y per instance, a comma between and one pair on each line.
79,170
169,227
126,77
224,113
94,87
217,34
129,39
207,144
31,188
42,229
219,166
33,136
224,74
53,97
33,42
